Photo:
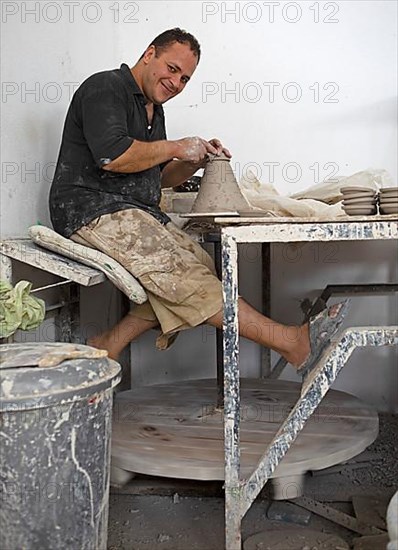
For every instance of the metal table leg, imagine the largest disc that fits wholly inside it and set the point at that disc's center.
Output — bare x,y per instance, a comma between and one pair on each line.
67,321
313,391
219,335
266,303
5,268
6,275
231,394
240,494
125,358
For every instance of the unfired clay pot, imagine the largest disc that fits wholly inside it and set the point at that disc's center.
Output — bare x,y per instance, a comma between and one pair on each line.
219,190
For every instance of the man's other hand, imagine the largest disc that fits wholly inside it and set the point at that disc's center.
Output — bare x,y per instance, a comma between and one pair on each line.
216,143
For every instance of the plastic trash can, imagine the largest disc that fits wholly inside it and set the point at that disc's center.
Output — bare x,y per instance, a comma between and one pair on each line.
55,429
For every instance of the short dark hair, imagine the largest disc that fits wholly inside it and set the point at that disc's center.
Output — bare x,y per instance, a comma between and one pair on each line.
167,38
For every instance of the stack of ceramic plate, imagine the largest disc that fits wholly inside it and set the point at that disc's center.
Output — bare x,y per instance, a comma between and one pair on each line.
389,200
359,201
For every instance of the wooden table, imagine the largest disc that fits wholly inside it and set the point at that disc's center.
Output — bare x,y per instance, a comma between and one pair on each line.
240,493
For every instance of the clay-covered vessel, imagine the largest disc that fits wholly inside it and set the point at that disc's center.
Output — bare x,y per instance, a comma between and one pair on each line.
219,190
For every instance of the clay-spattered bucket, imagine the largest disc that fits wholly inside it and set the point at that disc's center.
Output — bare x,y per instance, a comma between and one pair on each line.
55,414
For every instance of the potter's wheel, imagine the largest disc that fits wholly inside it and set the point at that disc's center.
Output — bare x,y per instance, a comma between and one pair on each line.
173,430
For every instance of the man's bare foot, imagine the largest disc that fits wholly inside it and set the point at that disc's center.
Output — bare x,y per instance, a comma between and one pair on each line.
102,341
116,339
316,335
300,348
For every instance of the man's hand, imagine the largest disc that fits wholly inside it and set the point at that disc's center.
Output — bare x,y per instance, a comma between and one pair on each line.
190,154
216,143
194,149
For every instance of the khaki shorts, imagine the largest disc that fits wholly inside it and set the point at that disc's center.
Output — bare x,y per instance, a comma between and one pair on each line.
177,274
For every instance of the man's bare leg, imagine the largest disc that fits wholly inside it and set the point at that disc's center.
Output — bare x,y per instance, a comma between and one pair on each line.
116,339
292,342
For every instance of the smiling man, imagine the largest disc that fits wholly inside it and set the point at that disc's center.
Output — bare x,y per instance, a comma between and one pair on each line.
114,152
113,161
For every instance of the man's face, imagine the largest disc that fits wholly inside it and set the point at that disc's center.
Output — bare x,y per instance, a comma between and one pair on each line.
166,76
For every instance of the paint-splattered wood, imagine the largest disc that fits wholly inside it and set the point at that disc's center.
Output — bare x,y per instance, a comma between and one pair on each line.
173,430
27,252
260,230
264,219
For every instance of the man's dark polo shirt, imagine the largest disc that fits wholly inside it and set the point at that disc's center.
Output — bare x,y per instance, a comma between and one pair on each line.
106,114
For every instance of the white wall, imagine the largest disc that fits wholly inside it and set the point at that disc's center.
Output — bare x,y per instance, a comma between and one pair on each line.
344,121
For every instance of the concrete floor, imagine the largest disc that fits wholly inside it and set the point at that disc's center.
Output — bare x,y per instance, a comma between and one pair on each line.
152,513
149,522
